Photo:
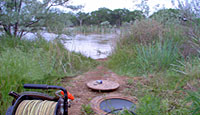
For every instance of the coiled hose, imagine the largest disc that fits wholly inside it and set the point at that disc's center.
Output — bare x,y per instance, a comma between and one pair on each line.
36,107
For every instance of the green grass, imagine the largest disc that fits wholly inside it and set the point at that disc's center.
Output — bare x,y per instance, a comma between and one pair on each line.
87,110
150,105
194,97
38,61
141,59
165,70
163,93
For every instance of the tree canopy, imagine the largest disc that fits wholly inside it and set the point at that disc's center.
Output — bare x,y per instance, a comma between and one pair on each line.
167,15
19,16
114,17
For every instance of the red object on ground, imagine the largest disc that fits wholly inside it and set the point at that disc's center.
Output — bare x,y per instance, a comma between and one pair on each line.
70,96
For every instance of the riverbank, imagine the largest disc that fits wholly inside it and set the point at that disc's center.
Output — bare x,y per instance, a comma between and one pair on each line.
167,56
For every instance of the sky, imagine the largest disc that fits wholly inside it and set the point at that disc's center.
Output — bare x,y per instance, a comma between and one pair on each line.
92,5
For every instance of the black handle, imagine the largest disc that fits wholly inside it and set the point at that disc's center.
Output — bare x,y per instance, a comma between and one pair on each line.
36,86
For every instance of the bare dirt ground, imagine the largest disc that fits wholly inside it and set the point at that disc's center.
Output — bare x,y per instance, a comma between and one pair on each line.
77,87
83,95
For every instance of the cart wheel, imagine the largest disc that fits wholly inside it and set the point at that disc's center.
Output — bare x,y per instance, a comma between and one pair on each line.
9,110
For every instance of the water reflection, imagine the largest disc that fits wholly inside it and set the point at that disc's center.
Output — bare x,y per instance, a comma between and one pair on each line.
94,46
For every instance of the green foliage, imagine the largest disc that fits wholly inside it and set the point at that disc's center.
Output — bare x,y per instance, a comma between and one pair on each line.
57,21
189,68
142,59
155,50
33,65
167,16
151,105
194,97
165,49
145,31
37,61
18,16
156,57
120,60
175,32
114,17
87,110
81,17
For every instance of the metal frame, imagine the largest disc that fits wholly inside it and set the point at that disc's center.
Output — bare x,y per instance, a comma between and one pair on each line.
38,96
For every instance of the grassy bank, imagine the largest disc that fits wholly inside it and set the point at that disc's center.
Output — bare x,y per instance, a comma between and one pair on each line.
166,57
38,61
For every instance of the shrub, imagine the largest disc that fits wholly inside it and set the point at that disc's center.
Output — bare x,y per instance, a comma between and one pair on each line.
146,31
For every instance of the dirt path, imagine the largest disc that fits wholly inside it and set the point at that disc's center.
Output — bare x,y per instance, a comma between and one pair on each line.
83,95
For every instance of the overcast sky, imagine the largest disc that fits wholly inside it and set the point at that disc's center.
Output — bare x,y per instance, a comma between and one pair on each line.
92,5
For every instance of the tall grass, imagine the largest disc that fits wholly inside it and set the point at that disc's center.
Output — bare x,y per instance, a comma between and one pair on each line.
194,97
157,57
150,105
94,29
142,59
38,61
146,49
168,56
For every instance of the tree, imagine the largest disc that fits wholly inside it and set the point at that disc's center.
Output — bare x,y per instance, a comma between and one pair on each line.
101,15
20,16
57,21
119,16
167,16
135,15
143,6
81,16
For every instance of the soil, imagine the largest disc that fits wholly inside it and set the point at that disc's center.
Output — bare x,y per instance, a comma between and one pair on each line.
83,95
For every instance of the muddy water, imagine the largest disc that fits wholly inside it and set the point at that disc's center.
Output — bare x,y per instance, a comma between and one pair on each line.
94,45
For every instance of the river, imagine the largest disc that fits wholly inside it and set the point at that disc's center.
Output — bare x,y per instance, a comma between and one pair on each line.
96,46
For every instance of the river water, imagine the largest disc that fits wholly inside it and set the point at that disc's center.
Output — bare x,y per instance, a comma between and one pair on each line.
96,46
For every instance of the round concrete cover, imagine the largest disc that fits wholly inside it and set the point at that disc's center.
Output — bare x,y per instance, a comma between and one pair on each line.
102,85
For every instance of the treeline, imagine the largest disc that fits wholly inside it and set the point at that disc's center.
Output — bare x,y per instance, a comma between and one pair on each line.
105,16
99,17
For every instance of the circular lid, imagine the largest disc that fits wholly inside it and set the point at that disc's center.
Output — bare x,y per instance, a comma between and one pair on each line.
102,85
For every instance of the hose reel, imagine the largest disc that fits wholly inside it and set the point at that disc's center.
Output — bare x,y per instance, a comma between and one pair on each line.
31,107
36,103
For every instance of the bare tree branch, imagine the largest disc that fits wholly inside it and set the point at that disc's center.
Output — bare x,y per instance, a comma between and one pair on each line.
31,23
